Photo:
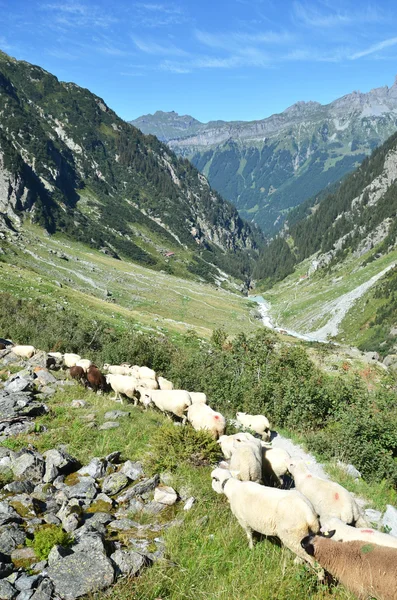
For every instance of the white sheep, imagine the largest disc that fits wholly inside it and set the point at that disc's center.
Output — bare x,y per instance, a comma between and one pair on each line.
164,384
168,401
228,442
146,373
270,511
346,533
84,363
258,423
24,351
142,397
118,369
202,416
275,464
70,359
198,397
122,384
149,384
328,498
246,462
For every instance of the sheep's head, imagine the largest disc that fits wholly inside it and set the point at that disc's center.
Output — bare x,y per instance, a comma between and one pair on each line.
219,477
308,543
240,414
108,377
297,466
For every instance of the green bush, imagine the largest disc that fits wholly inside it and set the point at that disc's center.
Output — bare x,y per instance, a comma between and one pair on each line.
46,538
172,445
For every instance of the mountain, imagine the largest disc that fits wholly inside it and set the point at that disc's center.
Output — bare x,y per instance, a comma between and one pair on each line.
269,166
69,163
345,239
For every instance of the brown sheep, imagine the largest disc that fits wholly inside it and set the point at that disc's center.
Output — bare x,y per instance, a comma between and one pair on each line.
365,569
95,378
78,374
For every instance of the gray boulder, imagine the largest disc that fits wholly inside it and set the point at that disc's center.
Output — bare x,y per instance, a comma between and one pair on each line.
19,384
90,542
7,591
114,483
390,519
57,553
96,468
133,470
81,573
27,582
109,425
165,495
85,488
58,462
44,377
44,591
129,562
29,465
138,489
11,537
116,414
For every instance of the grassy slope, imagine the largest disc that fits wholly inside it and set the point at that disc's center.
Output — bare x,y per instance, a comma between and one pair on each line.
154,299
209,559
299,303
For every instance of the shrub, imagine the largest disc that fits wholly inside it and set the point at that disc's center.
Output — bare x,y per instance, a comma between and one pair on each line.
46,538
172,445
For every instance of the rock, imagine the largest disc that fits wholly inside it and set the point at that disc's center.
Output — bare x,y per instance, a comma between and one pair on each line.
113,457
373,516
58,462
26,582
114,483
85,488
135,506
11,537
6,568
71,523
30,465
391,361
19,487
154,508
390,519
19,384
9,517
45,377
129,562
7,591
165,495
81,573
371,356
109,425
166,477
39,566
189,503
116,414
78,403
57,553
133,470
25,505
96,468
39,359
123,525
349,470
44,591
139,488
99,518
51,519
103,503
23,554
25,595
90,542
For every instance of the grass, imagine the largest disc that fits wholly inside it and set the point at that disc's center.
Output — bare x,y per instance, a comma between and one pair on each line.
154,299
207,556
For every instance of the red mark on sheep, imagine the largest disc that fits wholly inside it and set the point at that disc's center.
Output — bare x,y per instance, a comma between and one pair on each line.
216,417
336,496
367,531
308,476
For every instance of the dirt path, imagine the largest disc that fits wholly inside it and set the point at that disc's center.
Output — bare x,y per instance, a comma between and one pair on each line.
298,452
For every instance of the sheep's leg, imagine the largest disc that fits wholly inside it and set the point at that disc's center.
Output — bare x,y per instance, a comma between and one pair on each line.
184,419
248,532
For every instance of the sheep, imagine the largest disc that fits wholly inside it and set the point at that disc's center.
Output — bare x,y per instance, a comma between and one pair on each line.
2,346
142,397
270,511
78,374
71,360
149,384
164,384
122,384
84,363
201,416
257,423
95,378
168,401
328,498
24,351
54,360
246,462
146,373
198,397
367,570
118,369
275,464
228,442
345,533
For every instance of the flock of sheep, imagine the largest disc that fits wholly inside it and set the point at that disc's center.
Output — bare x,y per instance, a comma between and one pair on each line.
254,479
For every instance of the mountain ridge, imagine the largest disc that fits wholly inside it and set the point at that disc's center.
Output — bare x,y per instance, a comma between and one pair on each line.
266,167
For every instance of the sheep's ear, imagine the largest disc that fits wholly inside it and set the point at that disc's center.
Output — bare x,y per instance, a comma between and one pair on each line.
328,534
307,545
235,474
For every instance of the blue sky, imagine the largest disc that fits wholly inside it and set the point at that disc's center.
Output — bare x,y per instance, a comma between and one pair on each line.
212,59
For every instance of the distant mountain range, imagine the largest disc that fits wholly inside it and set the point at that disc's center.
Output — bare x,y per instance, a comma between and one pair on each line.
69,163
269,166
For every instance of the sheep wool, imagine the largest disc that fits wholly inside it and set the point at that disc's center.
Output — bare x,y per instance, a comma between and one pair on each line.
258,423
367,570
345,533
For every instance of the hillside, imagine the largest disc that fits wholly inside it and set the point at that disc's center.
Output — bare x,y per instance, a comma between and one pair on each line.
70,164
331,253
269,166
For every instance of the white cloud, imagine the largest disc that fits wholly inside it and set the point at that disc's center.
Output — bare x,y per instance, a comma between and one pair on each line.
375,48
153,15
76,14
233,40
311,15
150,47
